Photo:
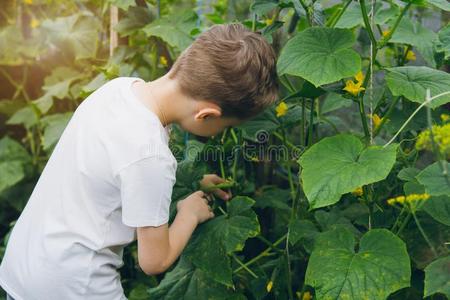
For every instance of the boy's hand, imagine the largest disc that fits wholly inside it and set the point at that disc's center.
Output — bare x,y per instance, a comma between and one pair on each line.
211,180
197,206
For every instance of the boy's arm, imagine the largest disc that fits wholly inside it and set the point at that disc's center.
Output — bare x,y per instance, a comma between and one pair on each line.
159,247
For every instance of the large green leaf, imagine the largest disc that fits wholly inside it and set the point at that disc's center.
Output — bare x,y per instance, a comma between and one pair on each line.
442,4
185,282
188,174
412,82
443,41
259,128
435,182
273,197
437,277
57,85
320,55
438,207
262,7
25,116
380,266
54,126
136,18
334,101
12,172
413,33
16,50
339,164
408,174
123,4
227,234
302,230
175,29
13,160
76,33
352,16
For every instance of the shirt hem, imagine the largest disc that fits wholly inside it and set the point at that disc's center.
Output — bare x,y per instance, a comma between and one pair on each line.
9,290
148,223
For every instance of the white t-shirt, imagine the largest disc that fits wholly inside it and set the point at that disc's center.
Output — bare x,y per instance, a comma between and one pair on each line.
110,172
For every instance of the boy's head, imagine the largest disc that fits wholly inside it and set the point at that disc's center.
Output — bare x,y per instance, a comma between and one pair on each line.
230,72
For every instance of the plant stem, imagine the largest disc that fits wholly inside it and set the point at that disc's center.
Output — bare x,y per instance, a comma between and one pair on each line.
424,234
254,22
233,135
387,115
311,120
238,143
289,144
243,265
362,114
261,255
398,219
405,221
427,101
288,261
288,167
287,83
268,243
340,13
289,277
368,200
366,22
391,32
302,129
305,7
222,211
402,59
9,78
441,160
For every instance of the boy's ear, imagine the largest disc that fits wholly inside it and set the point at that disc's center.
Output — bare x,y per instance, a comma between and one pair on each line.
208,112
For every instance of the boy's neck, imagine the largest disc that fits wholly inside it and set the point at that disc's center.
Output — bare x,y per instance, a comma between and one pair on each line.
162,97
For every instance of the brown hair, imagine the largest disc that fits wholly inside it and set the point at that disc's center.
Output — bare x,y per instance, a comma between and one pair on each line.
230,66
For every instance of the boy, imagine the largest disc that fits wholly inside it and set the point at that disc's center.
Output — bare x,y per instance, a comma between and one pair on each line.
109,179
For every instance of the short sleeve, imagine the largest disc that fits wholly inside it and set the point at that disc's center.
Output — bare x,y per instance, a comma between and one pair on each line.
146,190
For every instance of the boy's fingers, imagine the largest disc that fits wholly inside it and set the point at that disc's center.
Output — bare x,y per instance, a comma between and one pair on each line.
200,193
222,194
217,179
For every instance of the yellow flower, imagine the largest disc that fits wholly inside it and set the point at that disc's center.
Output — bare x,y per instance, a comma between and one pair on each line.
306,296
410,199
376,120
390,201
353,88
358,191
359,77
268,22
441,135
445,117
269,286
34,23
281,109
163,61
28,1
410,55
385,32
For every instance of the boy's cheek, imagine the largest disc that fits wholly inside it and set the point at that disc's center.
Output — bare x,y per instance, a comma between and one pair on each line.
203,128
